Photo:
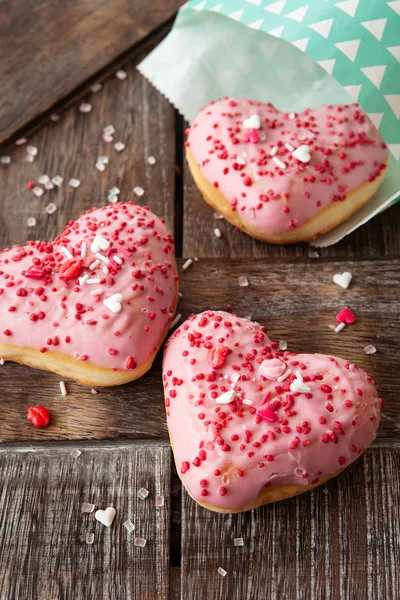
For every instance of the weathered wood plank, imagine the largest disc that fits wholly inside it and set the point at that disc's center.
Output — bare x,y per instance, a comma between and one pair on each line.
43,551
143,120
296,303
50,52
338,542
377,239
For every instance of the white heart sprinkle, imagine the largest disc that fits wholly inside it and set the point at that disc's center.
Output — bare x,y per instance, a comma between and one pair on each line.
114,303
226,398
342,279
252,122
299,386
302,153
105,517
99,243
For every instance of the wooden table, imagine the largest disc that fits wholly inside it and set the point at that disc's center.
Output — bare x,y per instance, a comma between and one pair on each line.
340,542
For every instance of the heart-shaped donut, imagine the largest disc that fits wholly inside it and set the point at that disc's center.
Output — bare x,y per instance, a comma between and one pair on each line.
250,424
96,303
285,177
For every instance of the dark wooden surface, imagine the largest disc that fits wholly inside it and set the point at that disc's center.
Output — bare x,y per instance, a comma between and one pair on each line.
52,47
43,549
339,542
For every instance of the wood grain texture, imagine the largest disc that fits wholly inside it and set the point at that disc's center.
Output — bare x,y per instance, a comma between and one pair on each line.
296,304
51,48
377,239
338,542
43,551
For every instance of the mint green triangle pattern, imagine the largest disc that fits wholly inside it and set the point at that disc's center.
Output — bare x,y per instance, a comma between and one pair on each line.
356,41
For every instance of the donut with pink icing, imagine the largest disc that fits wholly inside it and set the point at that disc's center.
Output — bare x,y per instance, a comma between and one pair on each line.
97,302
285,177
250,424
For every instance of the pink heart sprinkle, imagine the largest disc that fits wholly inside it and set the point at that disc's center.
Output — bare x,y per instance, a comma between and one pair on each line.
251,135
268,414
345,316
272,368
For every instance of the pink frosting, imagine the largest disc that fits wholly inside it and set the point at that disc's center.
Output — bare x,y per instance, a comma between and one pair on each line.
267,435
44,305
346,151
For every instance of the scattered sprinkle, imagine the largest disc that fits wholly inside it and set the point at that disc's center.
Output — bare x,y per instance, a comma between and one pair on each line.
247,402
279,162
103,258
302,153
85,107
119,146
129,526
238,542
50,208
63,389
31,221
345,316
49,185
240,160
54,117
339,327
282,345
139,542
87,507
37,191
31,150
342,279
243,281
94,280
176,321
43,179
289,147
99,243
89,538
187,264
222,572
159,501
143,493
151,160
274,150
83,249
299,386
121,74
299,375
370,349
75,183
96,293
253,122
218,216
2,361
117,259
83,279
114,190
29,158
114,303
109,130
285,375
226,398
217,232
21,141
313,254
94,392
75,453
5,160
57,180
139,191
112,198
108,138
66,252
96,87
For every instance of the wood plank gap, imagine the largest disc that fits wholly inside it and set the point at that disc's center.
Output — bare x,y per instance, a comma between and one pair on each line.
81,445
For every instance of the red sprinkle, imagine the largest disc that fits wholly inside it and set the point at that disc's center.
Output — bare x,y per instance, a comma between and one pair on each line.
39,416
345,316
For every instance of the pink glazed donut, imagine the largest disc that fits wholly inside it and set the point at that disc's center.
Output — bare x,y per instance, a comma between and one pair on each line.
250,424
285,177
94,305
